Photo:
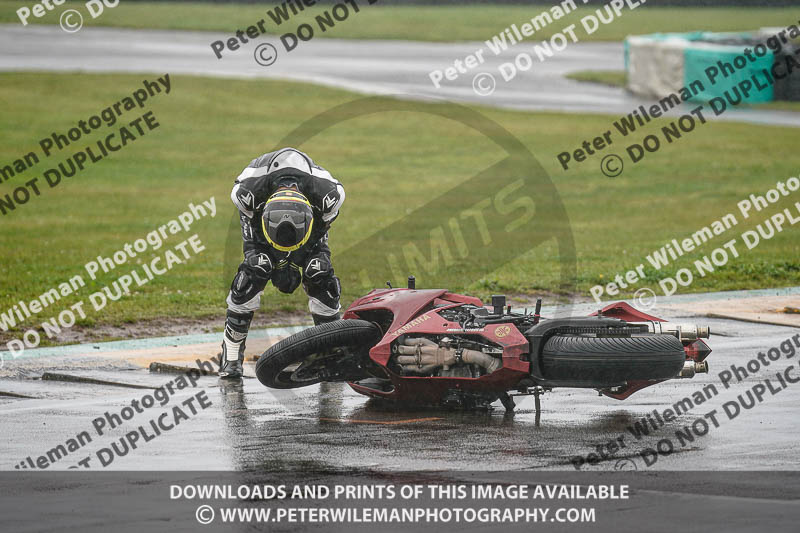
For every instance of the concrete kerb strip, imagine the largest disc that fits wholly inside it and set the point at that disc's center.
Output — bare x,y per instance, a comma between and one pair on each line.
143,351
189,347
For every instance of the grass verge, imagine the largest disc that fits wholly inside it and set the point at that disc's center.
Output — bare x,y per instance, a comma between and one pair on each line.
423,23
392,164
612,78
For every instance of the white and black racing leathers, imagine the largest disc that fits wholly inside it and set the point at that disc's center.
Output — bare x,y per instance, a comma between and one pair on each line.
310,264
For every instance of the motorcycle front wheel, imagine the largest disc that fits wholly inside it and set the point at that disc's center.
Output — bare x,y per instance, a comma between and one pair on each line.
328,352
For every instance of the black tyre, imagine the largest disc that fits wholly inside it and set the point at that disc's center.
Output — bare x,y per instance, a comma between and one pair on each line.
612,360
328,352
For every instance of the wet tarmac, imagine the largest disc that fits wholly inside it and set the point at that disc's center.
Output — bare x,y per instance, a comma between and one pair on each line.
244,426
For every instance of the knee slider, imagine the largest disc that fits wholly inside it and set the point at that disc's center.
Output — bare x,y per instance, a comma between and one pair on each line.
334,287
245,287
327,290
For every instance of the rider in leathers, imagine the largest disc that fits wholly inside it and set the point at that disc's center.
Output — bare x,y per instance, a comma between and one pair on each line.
286,205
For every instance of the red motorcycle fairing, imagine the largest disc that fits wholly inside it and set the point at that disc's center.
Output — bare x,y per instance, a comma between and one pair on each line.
623,311
410,311
417,312
405,303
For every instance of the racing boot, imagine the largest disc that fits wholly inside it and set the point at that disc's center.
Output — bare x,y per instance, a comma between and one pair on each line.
322,319
233,343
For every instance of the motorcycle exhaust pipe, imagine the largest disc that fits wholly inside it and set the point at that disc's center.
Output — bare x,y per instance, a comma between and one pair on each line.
418,354
690,368
684,332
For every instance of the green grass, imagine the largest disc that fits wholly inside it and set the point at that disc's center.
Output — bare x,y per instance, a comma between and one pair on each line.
613,78
426,23
781,106
405,173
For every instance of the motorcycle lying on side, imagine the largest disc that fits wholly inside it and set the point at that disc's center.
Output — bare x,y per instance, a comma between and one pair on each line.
436,348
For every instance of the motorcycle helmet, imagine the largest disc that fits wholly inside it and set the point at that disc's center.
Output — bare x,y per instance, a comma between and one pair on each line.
287,220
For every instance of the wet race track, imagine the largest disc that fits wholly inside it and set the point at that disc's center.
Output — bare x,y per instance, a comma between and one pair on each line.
397,68
244,426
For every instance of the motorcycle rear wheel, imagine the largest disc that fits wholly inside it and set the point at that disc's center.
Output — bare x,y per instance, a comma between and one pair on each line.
328,352
612,360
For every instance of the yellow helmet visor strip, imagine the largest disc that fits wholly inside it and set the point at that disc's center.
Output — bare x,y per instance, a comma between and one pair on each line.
287,198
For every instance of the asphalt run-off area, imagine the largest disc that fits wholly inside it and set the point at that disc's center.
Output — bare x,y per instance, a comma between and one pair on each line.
83,390
399,68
